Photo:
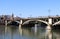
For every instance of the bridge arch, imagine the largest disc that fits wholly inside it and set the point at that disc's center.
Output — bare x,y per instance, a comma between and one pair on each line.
14,22
26,22
56,23
8,22
43,22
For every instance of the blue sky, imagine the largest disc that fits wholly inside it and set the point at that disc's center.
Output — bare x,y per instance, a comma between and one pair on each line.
26,8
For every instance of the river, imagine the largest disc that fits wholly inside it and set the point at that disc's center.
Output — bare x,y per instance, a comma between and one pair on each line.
11,32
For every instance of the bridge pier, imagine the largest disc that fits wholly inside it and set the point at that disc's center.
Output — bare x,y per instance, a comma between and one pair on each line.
20,24
5,22
49,23
48,27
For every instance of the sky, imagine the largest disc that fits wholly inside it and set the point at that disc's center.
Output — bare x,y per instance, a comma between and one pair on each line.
30,8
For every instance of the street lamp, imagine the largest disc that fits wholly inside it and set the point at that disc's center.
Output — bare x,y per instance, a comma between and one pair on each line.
49,12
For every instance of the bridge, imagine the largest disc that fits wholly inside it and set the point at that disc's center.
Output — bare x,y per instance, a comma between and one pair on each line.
50,21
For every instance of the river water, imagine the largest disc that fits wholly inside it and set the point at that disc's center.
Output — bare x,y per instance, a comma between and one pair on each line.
11,32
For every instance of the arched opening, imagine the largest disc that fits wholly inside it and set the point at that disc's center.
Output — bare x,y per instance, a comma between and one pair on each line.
42,23
56,25
31,23
15,23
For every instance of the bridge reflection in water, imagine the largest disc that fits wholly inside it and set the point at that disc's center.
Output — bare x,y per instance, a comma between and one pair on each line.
11,32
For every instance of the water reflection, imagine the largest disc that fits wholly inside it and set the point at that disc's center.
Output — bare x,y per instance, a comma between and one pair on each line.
48,34
10,32
2,28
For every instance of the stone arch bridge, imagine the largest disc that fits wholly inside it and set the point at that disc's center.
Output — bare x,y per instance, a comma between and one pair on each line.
47,20
50,21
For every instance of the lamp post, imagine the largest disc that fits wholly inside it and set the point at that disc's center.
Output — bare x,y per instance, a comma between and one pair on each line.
49,12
